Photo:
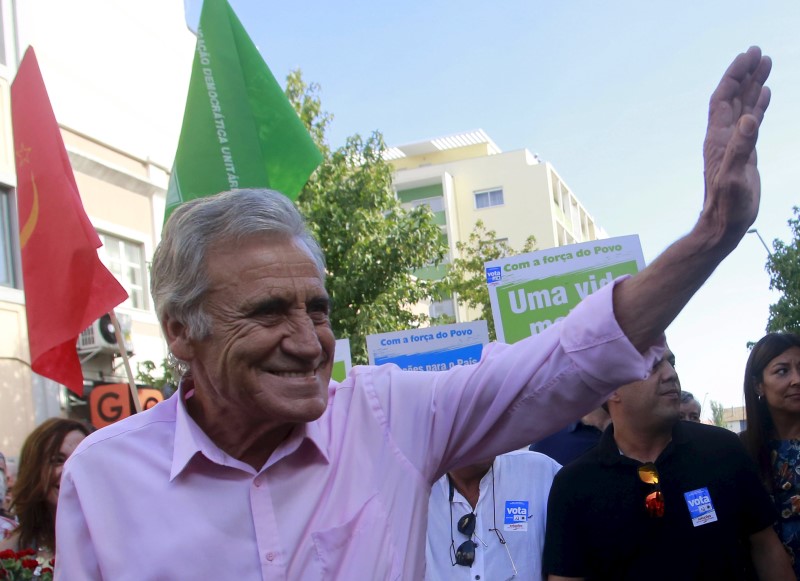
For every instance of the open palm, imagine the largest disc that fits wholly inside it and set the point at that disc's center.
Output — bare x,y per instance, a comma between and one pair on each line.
733,186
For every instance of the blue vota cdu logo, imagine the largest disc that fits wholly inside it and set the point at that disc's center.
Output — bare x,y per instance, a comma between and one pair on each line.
516,515
701,507
493,274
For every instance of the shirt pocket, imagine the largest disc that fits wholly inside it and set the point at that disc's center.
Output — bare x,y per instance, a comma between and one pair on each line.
361,548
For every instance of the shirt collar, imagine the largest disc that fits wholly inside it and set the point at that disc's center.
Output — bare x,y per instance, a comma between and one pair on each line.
484,487
680,433
610,454
316,433
310,432
607,447
191,440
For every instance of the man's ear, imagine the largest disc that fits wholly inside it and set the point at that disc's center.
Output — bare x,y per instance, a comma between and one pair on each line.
614,397
178,341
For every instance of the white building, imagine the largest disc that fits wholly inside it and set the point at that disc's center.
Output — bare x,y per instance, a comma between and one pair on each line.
466,177
117,74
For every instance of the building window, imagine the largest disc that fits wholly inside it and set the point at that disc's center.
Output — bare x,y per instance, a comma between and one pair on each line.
6,37
444,308
125,259
489,198
8,240
2,35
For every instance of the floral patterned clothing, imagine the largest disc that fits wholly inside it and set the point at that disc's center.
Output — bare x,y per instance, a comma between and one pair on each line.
785,456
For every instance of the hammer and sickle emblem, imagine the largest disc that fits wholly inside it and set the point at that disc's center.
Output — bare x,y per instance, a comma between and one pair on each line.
33,217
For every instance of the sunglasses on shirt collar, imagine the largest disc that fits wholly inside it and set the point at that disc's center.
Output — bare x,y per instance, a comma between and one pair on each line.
654,501
465,553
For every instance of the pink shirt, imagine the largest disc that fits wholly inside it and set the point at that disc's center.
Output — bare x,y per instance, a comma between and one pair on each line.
344,497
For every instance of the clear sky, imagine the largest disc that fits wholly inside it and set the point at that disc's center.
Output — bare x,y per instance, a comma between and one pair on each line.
613,94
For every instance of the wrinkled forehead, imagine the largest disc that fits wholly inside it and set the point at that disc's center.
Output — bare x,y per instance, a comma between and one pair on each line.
268,242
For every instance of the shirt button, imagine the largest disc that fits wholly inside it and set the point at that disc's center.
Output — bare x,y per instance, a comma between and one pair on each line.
270,556
477,577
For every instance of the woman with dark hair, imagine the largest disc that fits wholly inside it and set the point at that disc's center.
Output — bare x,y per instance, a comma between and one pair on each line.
38,481
772,438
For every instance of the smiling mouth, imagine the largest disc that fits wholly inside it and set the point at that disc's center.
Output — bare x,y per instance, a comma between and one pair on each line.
294,374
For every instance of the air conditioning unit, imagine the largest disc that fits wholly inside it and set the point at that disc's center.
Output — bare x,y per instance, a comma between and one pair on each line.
99,337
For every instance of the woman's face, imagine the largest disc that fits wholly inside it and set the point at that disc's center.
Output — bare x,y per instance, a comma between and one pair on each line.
780,383
71,441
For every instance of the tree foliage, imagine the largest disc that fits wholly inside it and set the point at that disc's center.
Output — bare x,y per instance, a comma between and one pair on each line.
783,267
164,379
717,412
466,277
371,244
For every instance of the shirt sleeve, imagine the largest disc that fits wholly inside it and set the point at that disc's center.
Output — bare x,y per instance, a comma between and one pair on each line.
758,511
515,395
75,555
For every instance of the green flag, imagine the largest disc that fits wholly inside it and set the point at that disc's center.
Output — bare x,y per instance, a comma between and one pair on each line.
239,129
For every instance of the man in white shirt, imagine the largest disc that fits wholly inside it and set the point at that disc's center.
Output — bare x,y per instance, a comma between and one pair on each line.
487,520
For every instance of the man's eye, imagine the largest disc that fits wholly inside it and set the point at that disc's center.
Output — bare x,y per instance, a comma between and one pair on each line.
318,315
318,309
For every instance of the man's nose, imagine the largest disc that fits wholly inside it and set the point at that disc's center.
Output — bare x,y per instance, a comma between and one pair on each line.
668,372
302,339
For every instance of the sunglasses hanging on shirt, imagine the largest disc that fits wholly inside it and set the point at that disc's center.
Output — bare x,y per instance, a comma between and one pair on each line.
465,553
653,502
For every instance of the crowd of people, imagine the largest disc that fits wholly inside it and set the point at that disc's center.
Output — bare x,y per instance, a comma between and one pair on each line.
260,467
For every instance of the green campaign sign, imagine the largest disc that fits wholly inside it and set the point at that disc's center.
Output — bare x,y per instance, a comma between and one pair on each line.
342,360
530,292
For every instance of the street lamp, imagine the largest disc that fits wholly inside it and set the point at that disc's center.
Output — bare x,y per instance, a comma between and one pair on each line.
755,231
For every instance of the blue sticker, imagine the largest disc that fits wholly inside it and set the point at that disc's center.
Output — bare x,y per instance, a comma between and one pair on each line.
493,274
701,509
516,515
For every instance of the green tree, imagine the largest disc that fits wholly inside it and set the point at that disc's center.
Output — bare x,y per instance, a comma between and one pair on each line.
466,277
165,380
371,244
783,266
717,412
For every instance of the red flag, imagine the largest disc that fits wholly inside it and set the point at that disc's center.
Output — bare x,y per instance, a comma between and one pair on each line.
66,285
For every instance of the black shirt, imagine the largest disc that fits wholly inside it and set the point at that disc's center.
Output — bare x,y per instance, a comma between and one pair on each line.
598,527
568,444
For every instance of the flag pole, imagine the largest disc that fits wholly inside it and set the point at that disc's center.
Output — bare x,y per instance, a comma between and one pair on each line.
124,352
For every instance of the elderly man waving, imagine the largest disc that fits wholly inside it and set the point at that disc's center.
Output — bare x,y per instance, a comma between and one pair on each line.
257,468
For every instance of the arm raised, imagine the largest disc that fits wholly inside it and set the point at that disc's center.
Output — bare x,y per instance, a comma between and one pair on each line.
647,303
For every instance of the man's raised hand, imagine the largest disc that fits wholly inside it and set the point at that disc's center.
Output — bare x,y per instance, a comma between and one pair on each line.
732,182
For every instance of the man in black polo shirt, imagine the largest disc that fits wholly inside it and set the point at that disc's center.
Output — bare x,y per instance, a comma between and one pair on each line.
661,499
